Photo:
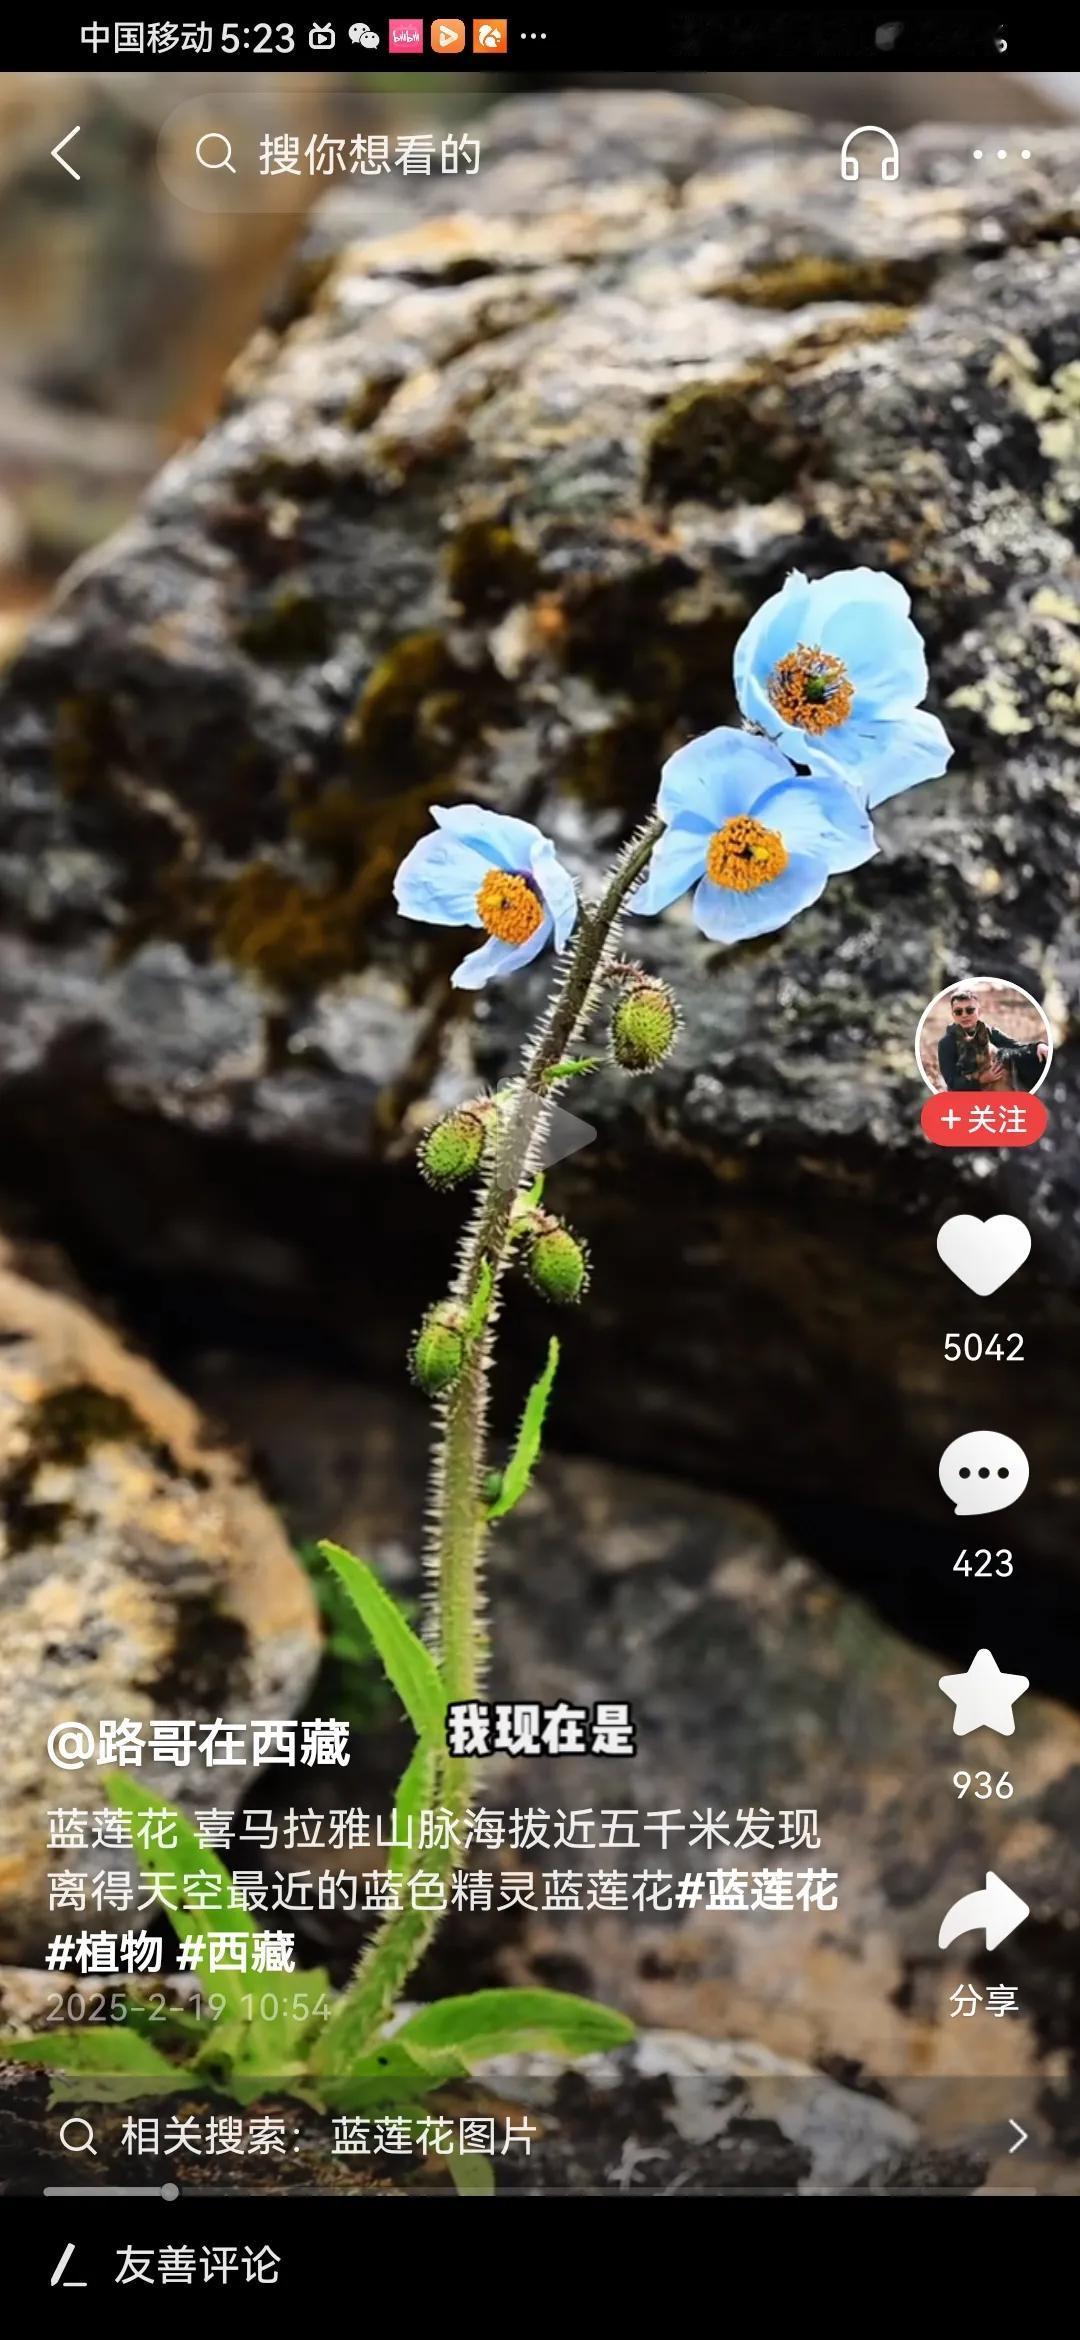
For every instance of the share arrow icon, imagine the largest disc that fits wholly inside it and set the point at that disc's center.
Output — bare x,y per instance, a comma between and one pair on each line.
996,1912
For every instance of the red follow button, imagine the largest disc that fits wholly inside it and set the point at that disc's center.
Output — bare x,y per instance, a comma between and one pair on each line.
957,1117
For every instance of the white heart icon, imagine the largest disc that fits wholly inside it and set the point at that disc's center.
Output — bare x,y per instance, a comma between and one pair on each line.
984,1253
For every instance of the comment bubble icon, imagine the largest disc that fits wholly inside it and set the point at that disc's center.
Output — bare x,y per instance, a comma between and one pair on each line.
983,1471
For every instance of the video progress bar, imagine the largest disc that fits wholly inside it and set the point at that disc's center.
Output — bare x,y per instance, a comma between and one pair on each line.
166,2193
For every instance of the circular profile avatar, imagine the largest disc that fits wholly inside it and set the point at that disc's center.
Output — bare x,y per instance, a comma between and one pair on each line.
982,1033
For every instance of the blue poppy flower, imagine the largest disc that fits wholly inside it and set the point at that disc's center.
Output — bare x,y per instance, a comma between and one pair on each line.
487,869
834,672
756,842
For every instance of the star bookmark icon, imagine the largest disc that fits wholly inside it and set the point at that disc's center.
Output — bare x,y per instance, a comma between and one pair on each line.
984,1697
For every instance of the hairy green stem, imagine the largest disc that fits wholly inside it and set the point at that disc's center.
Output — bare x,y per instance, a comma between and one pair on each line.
455,1622
459,1467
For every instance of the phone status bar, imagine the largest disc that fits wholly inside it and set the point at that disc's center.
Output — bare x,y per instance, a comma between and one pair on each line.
534,42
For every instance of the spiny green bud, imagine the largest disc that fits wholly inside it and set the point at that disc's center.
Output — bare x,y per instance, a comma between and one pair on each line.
556,1263
451,1150
644,1024
438,1352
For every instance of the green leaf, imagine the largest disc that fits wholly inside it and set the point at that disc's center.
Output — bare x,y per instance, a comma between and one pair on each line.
169,2027
522,1463
352,1683
408,1664
415,1794
234,2035
455,2034
110,2049
481,1299
569,1066
108,2065
533,1196
384,2077
472,2173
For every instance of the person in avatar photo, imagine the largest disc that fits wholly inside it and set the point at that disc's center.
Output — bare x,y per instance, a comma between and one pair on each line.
973,1054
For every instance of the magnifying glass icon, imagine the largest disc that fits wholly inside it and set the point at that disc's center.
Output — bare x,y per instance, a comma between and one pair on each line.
215,162
84,2144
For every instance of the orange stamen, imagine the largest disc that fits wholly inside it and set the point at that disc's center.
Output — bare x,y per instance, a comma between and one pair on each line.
810,689
509,906
744,855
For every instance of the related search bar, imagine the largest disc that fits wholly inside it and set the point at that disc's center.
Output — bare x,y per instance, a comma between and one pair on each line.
275,153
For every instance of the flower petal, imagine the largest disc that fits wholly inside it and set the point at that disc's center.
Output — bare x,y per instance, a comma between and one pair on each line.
557,888
729,917
677,863
718,775
504,841
822,817
495,959
438,881
827,595
883,757
870,632
774,628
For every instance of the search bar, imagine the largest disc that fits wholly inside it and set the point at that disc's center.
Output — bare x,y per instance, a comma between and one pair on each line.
269,152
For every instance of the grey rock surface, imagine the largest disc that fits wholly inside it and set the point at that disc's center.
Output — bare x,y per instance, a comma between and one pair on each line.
142,1575
490,500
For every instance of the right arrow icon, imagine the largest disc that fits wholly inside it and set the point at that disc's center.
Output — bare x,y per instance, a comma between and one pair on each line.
996,1912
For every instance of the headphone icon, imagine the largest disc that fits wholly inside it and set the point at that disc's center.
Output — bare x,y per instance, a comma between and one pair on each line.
890,163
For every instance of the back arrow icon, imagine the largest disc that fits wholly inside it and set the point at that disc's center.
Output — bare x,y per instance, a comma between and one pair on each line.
58,156
996,1911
